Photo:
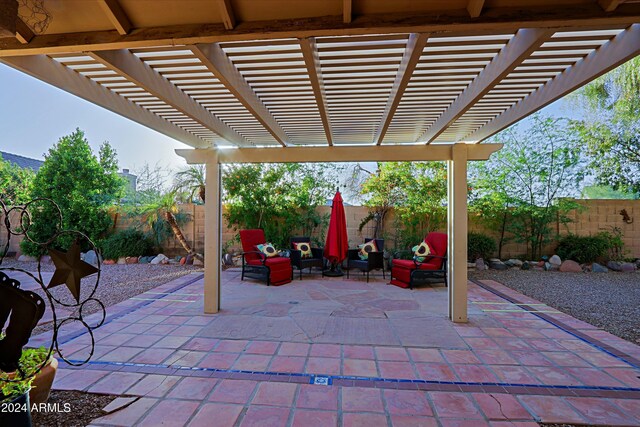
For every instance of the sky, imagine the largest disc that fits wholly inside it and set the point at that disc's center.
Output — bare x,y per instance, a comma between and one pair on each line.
34,115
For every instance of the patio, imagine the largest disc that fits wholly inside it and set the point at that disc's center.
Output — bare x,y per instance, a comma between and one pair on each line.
389,356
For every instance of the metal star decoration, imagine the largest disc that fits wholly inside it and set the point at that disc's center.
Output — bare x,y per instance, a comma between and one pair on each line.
70,269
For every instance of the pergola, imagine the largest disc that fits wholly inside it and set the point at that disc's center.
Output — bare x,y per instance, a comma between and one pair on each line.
323,80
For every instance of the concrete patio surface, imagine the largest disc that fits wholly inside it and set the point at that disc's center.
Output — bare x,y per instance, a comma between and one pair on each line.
323,352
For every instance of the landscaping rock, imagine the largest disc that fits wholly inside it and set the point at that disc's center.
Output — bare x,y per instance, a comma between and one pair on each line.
158,259
555,260
227,259
496,264
513,262
614,265
45,259
597,268
145,259
198,263
548,266
525,266
27,258
122,260
91,257
131,260
189,260
627,267
570,266
480,265
183,260
109,262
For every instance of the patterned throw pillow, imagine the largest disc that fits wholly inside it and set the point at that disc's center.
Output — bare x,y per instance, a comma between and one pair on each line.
304,248
363,253
421,251
268,250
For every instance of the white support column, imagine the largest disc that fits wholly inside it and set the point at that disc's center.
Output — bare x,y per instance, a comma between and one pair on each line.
212,237
457,232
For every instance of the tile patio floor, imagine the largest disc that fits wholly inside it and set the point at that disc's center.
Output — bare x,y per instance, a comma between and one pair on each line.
390,355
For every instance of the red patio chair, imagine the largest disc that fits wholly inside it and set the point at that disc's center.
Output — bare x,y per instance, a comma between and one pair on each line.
275,270
406,273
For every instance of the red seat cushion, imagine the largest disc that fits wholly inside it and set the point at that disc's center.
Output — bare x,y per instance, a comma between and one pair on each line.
270,262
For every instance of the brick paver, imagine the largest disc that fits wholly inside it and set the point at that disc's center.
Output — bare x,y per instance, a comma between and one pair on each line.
486,374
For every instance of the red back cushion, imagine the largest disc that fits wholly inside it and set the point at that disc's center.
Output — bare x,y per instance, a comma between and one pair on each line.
439,242
250,239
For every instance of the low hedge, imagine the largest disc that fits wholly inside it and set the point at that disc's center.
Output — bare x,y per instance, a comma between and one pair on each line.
584,249
126,243
480,246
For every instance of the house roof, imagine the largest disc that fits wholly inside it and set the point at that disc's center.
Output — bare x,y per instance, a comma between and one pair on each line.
21,161
284,73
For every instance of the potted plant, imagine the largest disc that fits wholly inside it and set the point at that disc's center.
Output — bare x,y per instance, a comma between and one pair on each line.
18,391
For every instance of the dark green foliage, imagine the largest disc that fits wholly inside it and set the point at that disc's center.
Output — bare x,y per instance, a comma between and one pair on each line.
82,185
279,198
126,243
480,246
15,183
583,249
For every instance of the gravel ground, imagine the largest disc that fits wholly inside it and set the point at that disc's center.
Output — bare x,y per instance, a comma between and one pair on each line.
85,407
610,301
117,282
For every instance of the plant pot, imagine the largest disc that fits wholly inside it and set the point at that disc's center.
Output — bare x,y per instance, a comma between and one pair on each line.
41,386
13,414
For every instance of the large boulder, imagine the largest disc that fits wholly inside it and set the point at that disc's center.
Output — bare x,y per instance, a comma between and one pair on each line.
614,265
570,266
555,260
513,262
159,259
627,267
597,268
91,257
496,264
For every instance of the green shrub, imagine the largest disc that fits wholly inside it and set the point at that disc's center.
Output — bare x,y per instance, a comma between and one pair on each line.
126,243
480,246
584,249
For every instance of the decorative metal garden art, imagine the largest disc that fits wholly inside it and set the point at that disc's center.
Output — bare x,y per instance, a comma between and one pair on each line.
21,310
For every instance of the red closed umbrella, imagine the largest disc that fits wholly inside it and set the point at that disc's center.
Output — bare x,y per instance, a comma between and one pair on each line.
337,244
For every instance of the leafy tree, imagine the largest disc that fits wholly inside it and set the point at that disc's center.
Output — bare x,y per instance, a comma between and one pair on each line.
191,182
417,193
611,126
15,183
532,176
81,184
150,185
279,198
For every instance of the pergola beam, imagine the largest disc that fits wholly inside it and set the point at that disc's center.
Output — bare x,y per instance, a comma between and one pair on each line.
116,15
410,58
617,51
134,69
312,62
474,7
228,17
523,43
49,71
445,22
214,58
609,5
347,13
369,153
23,32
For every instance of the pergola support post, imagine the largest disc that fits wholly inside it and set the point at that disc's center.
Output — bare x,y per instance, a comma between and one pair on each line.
212,236
457,232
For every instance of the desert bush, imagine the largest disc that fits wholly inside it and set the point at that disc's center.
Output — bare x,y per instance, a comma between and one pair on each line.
584,249
480,246
126,243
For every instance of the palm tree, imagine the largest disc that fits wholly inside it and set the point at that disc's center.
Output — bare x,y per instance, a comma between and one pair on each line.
165,208
191,181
